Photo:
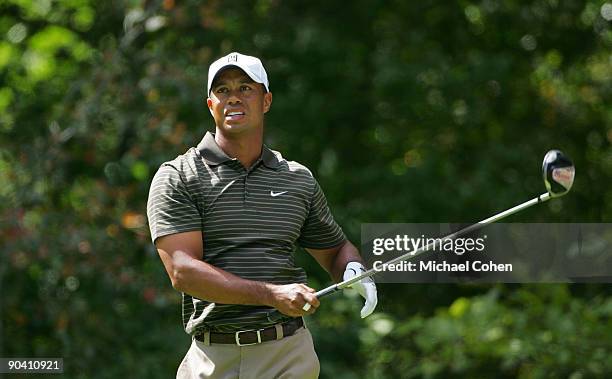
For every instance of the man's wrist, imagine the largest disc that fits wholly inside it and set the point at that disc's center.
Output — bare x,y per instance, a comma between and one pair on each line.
266,294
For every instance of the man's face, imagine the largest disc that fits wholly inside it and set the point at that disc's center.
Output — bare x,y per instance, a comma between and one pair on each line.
236,102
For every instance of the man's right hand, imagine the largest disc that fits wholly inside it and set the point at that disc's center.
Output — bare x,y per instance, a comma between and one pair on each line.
290,299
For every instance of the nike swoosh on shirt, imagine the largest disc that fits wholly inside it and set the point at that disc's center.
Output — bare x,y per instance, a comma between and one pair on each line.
274,194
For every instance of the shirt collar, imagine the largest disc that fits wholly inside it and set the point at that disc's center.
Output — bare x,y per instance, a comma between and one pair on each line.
210,151
214,155
269,158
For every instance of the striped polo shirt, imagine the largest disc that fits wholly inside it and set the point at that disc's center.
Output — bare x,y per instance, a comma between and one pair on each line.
250,219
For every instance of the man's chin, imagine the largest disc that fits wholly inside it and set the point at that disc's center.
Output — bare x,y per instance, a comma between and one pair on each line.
237,128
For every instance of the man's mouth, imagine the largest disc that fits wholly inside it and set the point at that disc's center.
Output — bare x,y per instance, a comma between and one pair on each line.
234,115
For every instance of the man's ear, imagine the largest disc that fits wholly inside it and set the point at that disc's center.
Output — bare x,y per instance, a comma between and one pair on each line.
209,103
267,101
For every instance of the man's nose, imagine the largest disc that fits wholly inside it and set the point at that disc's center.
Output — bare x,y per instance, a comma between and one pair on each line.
234,97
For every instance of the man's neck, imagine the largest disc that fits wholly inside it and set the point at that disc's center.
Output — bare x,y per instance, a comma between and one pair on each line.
245,148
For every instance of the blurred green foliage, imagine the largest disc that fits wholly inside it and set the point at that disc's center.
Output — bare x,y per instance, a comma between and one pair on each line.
406,112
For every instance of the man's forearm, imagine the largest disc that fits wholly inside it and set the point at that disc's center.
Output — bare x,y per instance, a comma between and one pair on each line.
207,282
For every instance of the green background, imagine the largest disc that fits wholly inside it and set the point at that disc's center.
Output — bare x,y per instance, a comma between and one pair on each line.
416,111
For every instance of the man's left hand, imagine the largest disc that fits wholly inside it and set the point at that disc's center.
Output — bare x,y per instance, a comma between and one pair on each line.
365,287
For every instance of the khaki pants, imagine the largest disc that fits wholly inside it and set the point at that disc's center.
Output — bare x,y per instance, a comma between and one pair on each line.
289,357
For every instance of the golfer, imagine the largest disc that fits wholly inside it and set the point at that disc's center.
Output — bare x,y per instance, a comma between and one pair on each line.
226,217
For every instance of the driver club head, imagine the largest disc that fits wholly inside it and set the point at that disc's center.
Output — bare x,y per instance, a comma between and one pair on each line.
558,171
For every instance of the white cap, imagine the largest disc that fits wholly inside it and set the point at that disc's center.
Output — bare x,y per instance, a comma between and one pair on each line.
252,66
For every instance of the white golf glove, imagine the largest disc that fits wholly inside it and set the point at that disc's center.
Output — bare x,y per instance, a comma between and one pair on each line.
365,287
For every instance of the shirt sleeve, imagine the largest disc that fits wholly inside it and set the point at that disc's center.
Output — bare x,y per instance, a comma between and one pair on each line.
170,207
320,230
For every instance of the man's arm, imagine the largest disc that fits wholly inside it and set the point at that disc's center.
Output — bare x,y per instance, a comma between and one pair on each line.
181,255
334,260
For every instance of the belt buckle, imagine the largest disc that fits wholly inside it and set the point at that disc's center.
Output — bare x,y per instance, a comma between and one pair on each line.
258,332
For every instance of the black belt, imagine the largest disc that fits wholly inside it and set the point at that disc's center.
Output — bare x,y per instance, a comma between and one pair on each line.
252,337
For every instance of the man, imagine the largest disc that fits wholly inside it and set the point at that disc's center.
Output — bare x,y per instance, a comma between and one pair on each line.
225,218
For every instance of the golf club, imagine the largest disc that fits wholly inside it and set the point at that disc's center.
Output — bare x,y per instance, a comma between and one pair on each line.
558,172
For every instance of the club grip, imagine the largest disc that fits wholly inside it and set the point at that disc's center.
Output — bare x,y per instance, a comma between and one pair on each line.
327,291
276,316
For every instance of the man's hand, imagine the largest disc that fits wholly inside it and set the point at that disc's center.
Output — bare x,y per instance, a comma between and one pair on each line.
365,287
290,299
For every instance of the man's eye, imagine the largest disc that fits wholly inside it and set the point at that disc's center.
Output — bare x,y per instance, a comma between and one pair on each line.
245,88
221,90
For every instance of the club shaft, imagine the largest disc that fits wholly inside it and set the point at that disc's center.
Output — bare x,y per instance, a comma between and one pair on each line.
371,272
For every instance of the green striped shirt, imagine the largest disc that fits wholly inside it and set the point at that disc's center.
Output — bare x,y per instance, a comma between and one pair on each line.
251,220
